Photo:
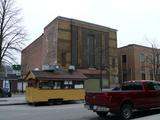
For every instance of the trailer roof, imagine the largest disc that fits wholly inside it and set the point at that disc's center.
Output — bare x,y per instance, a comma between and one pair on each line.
60,75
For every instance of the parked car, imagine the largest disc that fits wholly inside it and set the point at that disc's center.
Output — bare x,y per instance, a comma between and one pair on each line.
133,95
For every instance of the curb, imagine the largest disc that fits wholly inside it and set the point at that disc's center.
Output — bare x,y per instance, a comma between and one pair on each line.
8,104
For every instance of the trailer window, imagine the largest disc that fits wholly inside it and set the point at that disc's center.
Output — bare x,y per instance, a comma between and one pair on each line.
50,84
68,84
45,85
78,84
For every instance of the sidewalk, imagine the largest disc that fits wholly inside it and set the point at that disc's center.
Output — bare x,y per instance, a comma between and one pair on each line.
14,100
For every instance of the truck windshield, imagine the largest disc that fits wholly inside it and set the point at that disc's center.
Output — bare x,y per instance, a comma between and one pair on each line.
132,86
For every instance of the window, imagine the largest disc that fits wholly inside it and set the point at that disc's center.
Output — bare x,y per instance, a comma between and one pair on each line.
156,86
63,59
141,57
78,84
150,86
151,74
91,50
68,84
124,76
143,76
113,62
158,58
50,84
114,79
124,59
153,86
149,59
44,85
132,86
137,86
57,85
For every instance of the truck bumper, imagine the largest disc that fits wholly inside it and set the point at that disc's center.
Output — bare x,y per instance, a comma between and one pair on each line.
97,108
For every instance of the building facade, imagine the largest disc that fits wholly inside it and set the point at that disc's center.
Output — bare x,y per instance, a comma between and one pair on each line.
135,63
89,47
11,79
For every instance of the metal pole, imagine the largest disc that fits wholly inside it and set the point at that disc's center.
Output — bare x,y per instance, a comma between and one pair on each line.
101,83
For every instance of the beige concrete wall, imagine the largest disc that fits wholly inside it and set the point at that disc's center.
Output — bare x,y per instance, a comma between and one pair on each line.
64,43
133,61
140,66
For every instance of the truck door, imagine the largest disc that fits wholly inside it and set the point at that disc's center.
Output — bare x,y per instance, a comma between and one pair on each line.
157,92
137,94
151,94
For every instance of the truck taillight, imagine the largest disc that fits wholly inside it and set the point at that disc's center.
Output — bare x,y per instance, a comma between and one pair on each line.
86,95
109,97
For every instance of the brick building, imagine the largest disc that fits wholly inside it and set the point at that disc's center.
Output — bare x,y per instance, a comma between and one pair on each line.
135,62
89,47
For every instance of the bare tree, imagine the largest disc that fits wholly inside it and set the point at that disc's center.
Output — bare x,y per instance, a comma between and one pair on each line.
12,35
154,60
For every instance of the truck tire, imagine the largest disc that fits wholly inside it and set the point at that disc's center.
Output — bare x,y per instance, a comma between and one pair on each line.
102,114
126,111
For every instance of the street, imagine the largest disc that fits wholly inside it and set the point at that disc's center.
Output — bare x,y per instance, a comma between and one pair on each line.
74,111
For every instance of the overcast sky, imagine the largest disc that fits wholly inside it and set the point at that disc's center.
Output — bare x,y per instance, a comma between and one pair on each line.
135,20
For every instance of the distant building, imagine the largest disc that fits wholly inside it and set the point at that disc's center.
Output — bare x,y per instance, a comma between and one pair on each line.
16,70
135,62
89,47
11,78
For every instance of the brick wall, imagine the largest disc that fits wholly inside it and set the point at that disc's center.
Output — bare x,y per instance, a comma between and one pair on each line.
32,56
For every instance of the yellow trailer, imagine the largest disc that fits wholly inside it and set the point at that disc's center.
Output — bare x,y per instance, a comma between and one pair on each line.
54,87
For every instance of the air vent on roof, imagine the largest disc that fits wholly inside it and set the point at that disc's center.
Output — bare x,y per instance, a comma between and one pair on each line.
36,69
71,68
50,67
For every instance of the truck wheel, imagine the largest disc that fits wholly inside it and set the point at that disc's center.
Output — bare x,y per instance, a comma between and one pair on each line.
102,114
126,111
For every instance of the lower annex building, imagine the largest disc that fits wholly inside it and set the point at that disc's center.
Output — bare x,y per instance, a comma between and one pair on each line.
138,62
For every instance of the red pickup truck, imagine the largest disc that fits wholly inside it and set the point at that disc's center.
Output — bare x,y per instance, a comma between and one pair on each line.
131,96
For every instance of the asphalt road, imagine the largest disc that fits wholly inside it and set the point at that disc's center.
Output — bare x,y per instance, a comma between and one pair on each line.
63,112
